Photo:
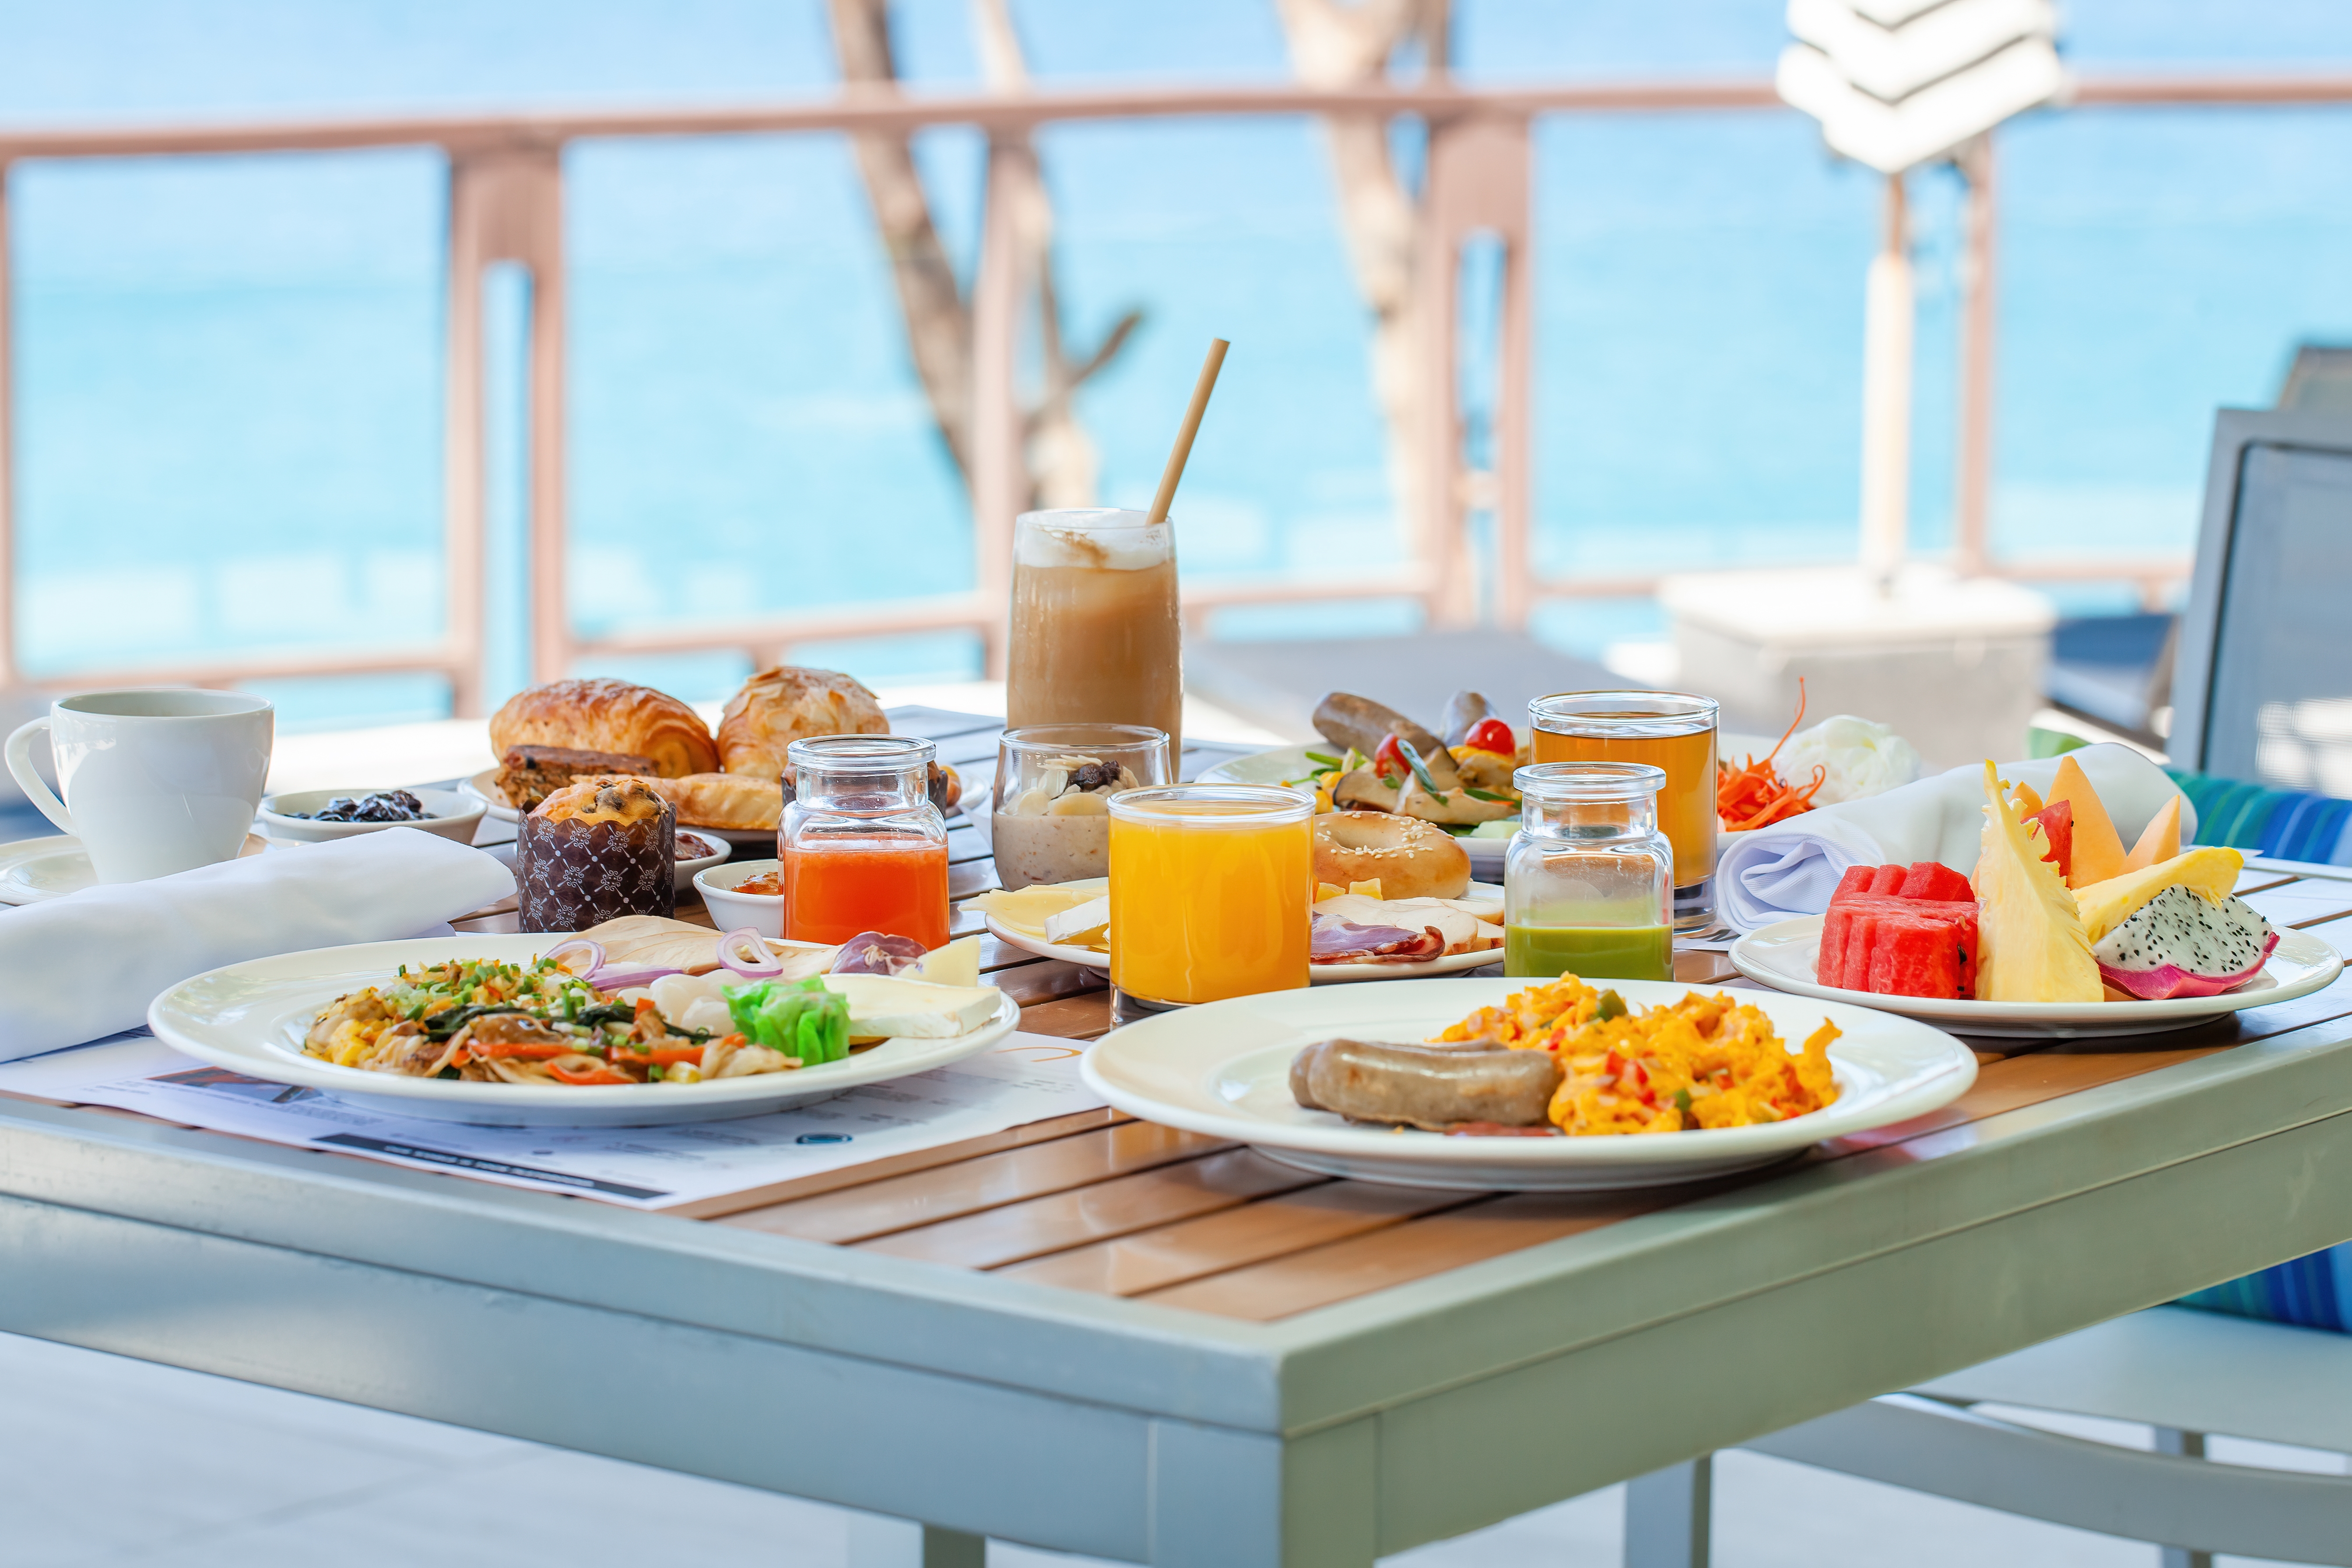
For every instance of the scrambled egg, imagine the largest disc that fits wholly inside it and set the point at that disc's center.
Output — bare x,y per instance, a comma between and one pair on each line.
1704,1061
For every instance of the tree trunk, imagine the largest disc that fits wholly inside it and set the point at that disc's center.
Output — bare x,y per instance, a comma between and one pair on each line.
1332,45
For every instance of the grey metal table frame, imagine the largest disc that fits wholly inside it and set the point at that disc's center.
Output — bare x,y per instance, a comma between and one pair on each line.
994,1407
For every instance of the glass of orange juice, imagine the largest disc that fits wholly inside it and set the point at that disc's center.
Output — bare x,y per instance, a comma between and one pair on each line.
1670,730
1210,892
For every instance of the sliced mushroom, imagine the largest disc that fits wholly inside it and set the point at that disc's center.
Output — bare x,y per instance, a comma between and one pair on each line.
1362,790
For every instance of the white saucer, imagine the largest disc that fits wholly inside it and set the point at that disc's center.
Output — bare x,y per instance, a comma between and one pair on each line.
32,870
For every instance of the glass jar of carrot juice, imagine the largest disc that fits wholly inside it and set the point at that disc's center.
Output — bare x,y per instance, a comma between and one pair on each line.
863,847
1212,890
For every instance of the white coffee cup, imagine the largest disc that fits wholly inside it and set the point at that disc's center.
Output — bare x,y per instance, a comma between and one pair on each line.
155,781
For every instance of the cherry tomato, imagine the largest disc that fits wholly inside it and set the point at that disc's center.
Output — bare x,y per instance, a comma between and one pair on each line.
1390,764
1491,735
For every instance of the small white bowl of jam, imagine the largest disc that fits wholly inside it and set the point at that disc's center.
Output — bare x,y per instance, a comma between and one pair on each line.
744,893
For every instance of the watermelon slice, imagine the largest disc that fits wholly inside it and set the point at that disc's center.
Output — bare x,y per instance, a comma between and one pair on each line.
1934,879
1913,955
1859,940
1900,930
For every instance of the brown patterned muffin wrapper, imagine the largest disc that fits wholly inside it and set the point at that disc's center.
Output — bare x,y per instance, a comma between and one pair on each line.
572,875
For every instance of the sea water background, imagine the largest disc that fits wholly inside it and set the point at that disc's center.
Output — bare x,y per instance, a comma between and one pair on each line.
228,373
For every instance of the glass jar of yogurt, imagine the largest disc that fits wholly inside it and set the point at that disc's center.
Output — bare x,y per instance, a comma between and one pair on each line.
1049,818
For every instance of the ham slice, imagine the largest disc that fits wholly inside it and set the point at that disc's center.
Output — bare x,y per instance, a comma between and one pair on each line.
1336,940
1462,930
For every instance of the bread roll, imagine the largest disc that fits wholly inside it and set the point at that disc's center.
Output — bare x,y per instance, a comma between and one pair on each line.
529,774
607,716
788,703
736,801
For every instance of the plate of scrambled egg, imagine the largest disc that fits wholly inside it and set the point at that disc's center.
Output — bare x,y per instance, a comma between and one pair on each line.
1558,1085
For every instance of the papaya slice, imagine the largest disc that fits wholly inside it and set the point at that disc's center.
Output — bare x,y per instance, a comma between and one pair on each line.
2160,843
2098,847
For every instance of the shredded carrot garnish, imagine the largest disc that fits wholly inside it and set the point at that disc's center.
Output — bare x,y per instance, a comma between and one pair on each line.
1755,795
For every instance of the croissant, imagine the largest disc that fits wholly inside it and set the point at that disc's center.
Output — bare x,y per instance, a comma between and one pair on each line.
607,716
736,801
788,703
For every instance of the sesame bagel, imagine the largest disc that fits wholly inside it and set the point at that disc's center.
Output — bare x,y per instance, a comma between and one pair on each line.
1411,858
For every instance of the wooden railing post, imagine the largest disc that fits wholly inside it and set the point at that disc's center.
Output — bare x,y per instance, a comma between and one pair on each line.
463,440
505,205
1973,487
1479,183
8,448
999,466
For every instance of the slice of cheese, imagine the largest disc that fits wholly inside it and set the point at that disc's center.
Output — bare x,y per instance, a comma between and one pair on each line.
892,1006
958,964
2028,925
2209,870
1076,925
2098,847
2161,842
1027,909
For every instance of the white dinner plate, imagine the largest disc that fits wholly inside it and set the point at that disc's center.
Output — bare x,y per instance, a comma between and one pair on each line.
1320,974
1781,955
1224,1069
251,1018
34,870
1285,763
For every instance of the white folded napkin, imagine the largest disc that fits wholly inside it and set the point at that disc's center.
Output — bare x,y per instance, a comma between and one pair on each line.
88,964
1791,868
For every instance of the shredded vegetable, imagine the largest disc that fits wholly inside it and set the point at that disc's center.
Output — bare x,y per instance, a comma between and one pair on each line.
1752,795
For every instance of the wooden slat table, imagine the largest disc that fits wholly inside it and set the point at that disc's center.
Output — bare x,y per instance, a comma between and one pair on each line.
1105,1336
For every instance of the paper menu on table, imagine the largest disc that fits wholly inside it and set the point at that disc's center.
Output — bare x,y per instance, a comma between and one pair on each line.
1029,1077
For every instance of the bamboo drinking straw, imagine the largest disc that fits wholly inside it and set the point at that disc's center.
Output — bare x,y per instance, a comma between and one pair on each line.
1191,427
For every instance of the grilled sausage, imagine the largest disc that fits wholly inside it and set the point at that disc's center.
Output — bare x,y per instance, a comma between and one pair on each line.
1463,710
1346,719
1435,1088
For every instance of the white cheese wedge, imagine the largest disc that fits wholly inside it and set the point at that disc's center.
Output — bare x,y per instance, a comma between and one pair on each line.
890,1007
1072,924
958,964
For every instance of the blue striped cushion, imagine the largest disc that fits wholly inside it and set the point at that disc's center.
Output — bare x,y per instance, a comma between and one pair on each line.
2280,823
2314,1292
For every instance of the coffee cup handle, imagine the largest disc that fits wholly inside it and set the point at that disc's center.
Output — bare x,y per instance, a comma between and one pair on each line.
20,765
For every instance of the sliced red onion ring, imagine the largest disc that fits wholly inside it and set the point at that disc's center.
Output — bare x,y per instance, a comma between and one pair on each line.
767,967
592,948
877,952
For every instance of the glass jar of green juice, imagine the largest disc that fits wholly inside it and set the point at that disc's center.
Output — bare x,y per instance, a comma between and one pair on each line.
1588,884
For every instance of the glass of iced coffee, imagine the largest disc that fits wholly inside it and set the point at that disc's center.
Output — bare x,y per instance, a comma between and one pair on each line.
1096,637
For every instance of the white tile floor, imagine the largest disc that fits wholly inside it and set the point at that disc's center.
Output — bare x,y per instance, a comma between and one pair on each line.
109,1462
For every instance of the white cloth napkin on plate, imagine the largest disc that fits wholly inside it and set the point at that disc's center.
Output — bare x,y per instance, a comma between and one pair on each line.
1791,868
88,964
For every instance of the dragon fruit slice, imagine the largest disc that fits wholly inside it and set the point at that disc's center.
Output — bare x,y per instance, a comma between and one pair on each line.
2179,943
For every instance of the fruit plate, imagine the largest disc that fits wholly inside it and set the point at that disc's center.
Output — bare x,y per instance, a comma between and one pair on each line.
1285,763
1222,1069
1781,955
250,1018
1320,974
